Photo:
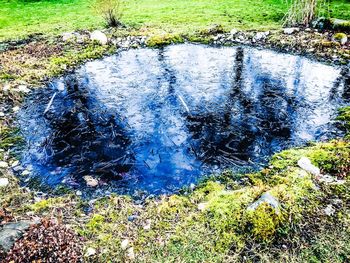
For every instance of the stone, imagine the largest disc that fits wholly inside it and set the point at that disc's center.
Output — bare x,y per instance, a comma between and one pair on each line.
132,218
25,173
4,164
202,206
305,164
23,89
68,36
99,37
11,232
78,193
329,210
124,245
130,253
2,114
4,182
261,35
340,38
233,31
290,30
268,199
148,225
90,252
15,109
90,181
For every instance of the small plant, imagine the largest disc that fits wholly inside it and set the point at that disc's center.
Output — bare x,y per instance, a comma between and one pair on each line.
302,12
111,11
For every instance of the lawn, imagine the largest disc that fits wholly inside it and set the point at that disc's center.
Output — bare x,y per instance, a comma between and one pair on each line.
20,18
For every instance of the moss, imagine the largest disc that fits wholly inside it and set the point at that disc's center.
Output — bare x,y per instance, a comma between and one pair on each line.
165,39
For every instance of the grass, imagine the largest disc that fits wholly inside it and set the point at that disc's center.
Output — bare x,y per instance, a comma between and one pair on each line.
20,18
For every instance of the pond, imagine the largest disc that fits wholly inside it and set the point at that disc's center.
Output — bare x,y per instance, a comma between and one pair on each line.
156,120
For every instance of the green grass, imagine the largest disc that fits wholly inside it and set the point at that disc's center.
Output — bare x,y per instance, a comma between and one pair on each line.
20,18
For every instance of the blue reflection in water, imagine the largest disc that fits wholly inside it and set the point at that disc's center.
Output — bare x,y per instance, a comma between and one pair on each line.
158,119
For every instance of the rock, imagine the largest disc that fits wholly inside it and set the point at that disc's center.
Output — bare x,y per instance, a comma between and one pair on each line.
290,30
68,36
192,186
233,31
4,164
132,218
261,35
90,181
124,245
305,164
90,252
329,210
202,206
15,109
25,173
268,199
148,225
2,114
99,37
4,182
78,193
23,89
11,232
340,38
130,253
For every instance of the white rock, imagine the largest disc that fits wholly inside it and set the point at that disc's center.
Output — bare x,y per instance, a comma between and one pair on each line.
3,164
90,181
25,173
124,245
68,36
78,193
268,199
261,35
130,253
202,206
15,163
305,164
90,252
4,182
148,225
329,210
2,114
15,109
290,30
233,31
99,36
23,88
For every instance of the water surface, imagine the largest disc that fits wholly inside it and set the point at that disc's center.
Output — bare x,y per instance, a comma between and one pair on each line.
157,119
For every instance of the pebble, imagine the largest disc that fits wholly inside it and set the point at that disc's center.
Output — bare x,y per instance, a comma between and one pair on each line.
25,173
130,253
291,30
124,245
78,193
202,206
4,182
148,225
305,164
90,181
2,114
3,164
90,252
99,37
15,109
329,210
268,199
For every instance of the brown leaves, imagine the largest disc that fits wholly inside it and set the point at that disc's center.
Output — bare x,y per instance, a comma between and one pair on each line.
48,241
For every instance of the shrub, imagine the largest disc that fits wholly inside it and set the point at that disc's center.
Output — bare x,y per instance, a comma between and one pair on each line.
111,11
